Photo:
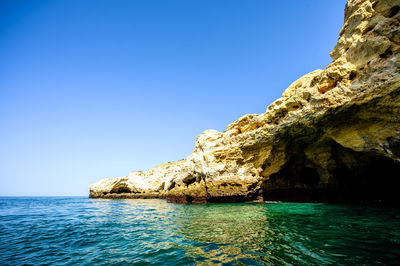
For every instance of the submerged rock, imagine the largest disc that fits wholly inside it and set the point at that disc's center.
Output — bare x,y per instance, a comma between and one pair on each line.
334,135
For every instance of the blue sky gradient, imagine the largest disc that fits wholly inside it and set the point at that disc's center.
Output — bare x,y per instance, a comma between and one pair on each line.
91,89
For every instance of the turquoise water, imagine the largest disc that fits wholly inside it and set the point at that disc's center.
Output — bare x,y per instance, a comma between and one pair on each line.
120,232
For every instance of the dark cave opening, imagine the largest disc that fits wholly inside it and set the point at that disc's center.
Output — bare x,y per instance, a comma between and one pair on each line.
393,11
309,176
297,172
371,177
354,177
120,188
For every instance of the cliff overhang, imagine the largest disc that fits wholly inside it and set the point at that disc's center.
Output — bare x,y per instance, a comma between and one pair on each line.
334,135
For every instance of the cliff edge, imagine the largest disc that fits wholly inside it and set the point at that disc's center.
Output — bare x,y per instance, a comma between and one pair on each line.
334,135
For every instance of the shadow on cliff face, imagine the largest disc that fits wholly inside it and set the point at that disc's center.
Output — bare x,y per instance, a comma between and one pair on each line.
120,188
370,177
350,177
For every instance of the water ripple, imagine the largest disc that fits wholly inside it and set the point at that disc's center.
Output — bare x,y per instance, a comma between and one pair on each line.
120,232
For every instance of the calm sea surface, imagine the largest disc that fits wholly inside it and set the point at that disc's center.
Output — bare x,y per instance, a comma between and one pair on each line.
119,232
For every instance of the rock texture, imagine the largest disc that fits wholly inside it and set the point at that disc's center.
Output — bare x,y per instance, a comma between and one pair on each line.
334,135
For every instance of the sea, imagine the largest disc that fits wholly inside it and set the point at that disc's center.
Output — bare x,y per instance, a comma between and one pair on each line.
83,231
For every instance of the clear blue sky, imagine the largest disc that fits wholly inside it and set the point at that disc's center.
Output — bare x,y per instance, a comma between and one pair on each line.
91,89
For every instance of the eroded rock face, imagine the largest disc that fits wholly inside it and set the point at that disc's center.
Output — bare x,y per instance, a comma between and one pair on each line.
334,135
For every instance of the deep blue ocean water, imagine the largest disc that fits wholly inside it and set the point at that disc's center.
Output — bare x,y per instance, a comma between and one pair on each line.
74,230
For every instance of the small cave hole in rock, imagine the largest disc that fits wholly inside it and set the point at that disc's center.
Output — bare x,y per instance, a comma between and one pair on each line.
172,185
189,199
189,180
393,11
352,75
386,53
120,188
368,29
374,4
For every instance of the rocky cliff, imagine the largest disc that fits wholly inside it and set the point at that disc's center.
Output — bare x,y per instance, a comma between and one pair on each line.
334,135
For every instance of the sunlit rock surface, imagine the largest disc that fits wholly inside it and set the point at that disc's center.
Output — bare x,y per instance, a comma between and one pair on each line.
334,135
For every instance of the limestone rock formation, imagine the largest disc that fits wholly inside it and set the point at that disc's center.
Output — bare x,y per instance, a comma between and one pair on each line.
333,135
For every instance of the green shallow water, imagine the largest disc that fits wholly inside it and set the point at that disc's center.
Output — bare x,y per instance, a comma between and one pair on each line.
124,232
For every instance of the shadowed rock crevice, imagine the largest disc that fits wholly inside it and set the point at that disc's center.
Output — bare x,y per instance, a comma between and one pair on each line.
120,188
394,11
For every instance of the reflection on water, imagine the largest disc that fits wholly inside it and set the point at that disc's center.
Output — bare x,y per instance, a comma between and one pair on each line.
291,233
92,231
